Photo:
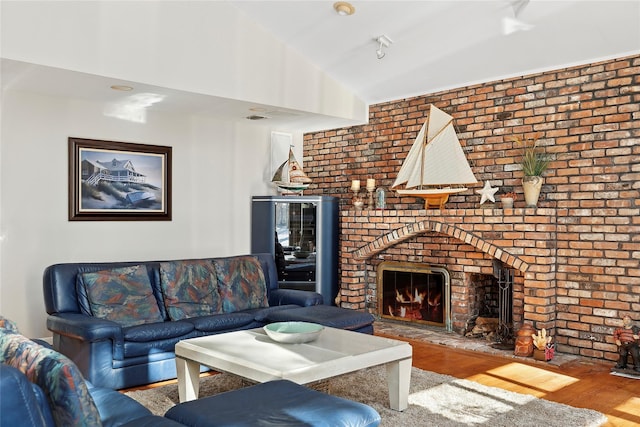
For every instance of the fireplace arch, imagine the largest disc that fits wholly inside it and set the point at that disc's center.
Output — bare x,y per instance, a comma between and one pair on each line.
420,227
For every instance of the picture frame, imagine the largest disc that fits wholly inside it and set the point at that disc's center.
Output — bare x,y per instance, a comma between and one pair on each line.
118,181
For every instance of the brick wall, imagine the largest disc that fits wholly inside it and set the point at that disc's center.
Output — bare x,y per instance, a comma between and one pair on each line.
577,257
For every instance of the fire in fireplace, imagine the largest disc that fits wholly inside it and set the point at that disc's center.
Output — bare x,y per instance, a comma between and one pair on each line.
414,292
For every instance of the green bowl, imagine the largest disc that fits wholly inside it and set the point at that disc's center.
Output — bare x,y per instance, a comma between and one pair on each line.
293,332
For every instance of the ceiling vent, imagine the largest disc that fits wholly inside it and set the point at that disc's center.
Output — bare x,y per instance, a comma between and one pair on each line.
256,117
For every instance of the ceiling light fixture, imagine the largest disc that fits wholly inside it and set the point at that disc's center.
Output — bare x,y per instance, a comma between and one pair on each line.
122,88
256,117
343,8
383,41
513,25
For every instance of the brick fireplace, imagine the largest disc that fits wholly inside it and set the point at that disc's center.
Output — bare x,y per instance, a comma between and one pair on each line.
467,244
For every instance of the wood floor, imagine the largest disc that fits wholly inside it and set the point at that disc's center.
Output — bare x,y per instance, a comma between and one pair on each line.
578,383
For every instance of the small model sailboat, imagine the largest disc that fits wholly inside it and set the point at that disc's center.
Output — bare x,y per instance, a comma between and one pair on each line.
436,166
290,178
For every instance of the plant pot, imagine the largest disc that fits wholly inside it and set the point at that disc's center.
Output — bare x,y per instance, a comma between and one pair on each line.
532,186
507,202
539,355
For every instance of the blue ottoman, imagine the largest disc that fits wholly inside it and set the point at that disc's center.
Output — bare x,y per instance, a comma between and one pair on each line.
274,403
327,315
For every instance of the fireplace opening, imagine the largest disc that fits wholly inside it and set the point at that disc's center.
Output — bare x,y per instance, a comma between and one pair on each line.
414,292
491,305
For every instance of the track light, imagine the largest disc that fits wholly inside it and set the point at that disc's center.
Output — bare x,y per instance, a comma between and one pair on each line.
383,41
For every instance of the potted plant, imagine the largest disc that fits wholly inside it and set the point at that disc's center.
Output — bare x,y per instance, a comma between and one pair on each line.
534,162
507,199
543,346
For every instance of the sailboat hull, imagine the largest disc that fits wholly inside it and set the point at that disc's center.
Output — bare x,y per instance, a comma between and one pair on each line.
434,198
291,186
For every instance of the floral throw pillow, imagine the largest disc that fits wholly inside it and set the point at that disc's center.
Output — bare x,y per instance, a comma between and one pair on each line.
8,324
190,288
123,295
241,283
66,391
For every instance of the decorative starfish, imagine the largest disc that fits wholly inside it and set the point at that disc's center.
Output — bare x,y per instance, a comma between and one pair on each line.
487,192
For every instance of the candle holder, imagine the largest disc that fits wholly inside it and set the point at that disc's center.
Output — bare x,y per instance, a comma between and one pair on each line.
370,191
357,200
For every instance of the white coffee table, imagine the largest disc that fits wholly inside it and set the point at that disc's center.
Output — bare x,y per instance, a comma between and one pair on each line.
251,354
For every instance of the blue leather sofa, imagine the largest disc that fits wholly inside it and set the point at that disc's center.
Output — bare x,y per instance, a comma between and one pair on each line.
40,387
110,354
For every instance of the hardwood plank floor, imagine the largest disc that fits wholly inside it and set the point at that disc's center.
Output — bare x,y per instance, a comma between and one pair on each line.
580,383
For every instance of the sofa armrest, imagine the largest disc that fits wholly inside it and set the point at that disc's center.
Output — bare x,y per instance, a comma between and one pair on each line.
84,328
294,296
19,404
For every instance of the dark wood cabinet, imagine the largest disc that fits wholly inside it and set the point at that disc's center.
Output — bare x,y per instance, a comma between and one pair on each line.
302,234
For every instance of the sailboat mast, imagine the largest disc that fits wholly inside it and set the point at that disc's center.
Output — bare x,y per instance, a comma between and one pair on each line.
424,153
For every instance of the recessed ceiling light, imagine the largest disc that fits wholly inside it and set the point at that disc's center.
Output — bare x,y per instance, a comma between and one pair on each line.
123,88
344,8
256,117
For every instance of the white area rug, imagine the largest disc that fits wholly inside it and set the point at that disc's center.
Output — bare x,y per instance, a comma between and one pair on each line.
435,400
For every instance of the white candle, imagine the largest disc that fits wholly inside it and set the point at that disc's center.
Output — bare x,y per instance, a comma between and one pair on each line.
355,185
371,184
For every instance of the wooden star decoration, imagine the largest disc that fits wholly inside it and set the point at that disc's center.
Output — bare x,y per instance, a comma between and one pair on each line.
487,192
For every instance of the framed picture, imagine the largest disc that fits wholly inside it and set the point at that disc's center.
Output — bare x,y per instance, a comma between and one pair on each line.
118,181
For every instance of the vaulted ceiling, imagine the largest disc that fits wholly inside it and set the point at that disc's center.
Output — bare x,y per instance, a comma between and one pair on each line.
433,45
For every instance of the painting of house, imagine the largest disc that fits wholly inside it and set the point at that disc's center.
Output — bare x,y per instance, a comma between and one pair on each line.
120,180
114,171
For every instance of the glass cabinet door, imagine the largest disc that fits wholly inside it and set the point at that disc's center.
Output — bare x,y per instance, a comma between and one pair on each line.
295,241
302,234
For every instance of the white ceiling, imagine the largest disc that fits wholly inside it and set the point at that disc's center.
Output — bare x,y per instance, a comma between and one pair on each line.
445,44
437,45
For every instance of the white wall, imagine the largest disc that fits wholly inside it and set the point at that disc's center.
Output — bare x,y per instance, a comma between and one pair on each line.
217,167
205,47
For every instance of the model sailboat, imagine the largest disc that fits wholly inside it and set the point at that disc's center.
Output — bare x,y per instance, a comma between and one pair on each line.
290,178
436,166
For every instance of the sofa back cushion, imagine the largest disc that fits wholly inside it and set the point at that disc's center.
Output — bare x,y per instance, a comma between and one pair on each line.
241,283
190,288
123,295
66,391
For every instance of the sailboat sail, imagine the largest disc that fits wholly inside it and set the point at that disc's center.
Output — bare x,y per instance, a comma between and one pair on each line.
290,176
436,165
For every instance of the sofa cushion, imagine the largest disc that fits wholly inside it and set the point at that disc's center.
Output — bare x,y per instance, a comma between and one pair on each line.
123,295
59,378
157,331
327,315
262,314
221,322
241,283
190,288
